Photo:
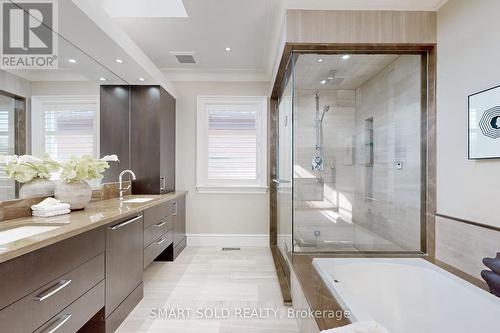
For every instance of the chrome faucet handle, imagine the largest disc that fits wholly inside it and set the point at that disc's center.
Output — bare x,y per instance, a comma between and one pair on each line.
124,188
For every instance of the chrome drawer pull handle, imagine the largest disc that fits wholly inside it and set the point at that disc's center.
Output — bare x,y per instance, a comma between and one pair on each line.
118,226
161,240
52,290
57,325
175,208
161,224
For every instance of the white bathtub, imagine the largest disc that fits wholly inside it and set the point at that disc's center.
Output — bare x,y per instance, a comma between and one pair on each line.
409,296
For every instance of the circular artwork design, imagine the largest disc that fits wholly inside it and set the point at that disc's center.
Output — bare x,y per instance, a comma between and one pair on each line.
490,123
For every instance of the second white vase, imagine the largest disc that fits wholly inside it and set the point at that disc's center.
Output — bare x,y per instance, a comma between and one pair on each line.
77,194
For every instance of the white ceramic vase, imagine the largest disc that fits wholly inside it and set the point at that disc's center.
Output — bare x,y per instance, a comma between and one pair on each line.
77,194
38,187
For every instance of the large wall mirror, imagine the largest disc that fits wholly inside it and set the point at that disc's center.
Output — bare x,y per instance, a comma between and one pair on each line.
53,111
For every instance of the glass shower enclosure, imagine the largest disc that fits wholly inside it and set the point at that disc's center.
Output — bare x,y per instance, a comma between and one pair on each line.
351,154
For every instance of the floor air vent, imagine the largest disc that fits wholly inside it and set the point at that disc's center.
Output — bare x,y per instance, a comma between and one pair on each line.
230,249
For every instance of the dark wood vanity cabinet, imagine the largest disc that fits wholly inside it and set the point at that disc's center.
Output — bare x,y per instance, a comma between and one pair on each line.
165,231
179,226
124,266
138,124
61,285
92,281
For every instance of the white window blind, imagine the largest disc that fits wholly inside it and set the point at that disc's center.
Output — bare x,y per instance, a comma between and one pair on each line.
65,126
231,144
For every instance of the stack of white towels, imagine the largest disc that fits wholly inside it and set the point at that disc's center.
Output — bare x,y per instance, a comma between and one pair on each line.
50,207
359,327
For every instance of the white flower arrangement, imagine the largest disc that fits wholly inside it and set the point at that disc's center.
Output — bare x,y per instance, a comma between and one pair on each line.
26,167
85,168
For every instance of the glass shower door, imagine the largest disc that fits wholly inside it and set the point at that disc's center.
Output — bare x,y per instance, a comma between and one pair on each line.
283,182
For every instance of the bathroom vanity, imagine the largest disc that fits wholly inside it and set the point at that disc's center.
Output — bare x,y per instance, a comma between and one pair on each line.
85,273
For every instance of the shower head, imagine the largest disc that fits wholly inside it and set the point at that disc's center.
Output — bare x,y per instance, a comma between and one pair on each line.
326,108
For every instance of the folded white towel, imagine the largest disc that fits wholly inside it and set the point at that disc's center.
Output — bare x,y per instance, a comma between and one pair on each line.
359,327
39,213
50,205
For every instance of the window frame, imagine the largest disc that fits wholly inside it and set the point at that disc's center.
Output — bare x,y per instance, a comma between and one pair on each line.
37,122
205,185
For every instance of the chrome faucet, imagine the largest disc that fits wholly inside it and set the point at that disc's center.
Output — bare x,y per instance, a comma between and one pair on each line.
120,188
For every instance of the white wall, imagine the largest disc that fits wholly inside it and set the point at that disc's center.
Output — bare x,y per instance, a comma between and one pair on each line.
15,85
468,61
211,216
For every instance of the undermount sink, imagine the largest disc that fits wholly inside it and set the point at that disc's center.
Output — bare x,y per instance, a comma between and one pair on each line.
138,200
17,233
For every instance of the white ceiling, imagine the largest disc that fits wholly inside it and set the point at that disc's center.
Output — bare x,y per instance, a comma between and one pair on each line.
251,28
242,25
347,73
144,8
85,33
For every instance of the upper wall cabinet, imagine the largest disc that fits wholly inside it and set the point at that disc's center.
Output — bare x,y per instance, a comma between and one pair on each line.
145,114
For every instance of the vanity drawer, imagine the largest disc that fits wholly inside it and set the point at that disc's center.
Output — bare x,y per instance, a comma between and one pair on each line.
157,247
36,308
154,214
72,318
154,231
24,275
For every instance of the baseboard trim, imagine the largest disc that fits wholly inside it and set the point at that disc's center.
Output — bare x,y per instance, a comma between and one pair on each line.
228,240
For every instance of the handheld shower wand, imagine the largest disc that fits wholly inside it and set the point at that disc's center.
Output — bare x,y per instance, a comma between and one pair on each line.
317,161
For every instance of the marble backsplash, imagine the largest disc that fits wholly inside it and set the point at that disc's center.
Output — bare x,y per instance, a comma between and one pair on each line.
12,209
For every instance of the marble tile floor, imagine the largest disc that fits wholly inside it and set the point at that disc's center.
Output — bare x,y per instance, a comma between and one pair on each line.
239,287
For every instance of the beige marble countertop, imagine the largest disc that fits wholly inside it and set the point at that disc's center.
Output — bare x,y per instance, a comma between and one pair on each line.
96,214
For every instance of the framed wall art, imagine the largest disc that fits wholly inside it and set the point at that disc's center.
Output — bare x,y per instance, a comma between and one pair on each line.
484,124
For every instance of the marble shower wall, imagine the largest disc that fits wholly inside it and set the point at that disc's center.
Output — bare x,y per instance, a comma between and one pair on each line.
391,207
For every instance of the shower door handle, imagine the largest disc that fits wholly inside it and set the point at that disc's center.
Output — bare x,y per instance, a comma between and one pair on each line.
281,181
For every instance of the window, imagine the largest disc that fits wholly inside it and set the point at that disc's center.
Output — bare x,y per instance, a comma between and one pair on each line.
63,126
231,144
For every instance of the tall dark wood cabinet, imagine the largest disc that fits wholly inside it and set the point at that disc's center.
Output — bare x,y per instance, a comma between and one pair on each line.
114,128
138,124
152,139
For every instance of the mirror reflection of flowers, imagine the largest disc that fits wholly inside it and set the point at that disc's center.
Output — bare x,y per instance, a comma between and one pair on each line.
85,168
26,167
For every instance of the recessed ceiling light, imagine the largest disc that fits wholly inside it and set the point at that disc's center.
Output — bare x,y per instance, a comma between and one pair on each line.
323,81
330,78
346,56
102,79
73,61
228,49
141,79
119,61
320,60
